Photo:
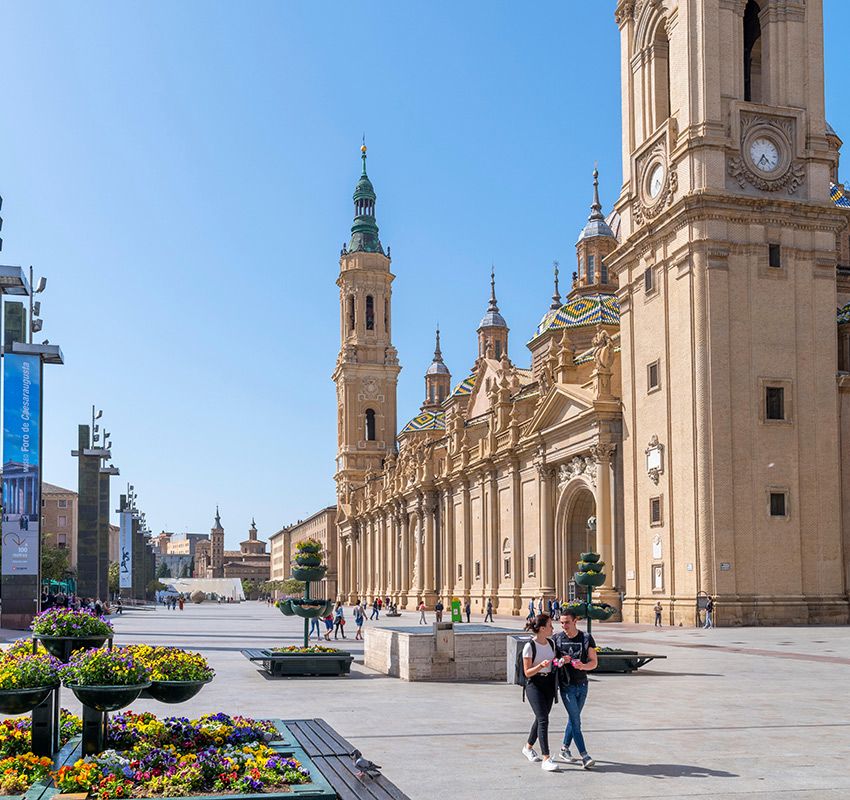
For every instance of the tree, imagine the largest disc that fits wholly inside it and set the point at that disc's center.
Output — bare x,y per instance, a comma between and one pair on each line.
114,576
54,563
163,570
250,588
291,586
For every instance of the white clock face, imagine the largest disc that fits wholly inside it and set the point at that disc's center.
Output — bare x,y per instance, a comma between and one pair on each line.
764,154
656,180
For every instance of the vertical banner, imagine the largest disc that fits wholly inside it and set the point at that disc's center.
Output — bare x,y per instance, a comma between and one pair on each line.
21,467
125,550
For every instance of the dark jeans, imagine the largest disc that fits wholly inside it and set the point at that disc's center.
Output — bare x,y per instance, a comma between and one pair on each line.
574,696
658,619
488,615
540,693
338,629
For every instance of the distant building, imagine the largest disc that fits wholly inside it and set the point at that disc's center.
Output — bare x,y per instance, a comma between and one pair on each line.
321,526
250,561
59,519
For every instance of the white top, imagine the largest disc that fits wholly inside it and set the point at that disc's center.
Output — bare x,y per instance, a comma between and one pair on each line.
544,652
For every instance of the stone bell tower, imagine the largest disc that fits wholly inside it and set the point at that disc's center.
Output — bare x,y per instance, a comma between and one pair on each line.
367,368
727,288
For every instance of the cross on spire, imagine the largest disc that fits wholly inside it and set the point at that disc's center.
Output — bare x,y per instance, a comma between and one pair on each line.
556,297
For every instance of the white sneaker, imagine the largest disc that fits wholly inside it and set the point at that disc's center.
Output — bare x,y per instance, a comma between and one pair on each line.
587,762
530,753
550,765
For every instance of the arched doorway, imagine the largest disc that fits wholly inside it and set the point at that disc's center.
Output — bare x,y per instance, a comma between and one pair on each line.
575,531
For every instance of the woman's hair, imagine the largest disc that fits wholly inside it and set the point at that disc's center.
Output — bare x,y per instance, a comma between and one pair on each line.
538,623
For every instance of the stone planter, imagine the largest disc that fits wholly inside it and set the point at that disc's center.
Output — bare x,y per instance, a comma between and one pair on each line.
61,647
173,691
107,698
21,701
297,664
618,661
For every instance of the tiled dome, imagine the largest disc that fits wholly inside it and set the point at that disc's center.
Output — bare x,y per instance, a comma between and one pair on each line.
592,309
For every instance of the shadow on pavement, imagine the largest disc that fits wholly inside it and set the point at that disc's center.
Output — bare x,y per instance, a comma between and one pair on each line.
662,770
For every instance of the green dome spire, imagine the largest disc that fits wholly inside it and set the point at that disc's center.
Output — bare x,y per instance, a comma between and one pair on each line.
364,231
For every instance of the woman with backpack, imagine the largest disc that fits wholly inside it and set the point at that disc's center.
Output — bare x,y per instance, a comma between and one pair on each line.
339,621
540,687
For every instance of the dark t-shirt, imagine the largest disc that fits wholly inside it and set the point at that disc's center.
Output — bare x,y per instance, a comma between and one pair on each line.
574,648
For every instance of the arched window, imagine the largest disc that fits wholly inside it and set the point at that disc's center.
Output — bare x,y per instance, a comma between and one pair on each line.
660,75
370,425
498,348
351,313
752,53
603,272
370,312
591,265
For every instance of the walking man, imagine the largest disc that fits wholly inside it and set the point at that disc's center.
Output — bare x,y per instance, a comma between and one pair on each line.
488,617
579,649
658,614
467,608
709,610
438,609
531,614
375,614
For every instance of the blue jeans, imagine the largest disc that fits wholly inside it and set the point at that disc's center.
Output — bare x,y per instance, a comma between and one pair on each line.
574,696
314,626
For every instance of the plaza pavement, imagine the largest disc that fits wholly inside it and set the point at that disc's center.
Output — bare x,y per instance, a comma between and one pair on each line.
749,713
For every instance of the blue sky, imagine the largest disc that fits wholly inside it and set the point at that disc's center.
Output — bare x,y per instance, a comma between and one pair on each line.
182,173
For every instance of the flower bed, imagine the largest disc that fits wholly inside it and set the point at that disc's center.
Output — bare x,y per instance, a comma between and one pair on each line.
20,668
171,663
66,622
312,649
173,757
116,667
15,738
19,773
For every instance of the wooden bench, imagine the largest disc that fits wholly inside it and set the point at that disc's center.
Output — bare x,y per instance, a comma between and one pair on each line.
332,755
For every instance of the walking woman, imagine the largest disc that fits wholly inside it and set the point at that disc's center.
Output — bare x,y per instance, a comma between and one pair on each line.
339,621
537,656
422,620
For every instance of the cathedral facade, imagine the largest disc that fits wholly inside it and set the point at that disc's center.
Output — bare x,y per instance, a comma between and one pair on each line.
682,409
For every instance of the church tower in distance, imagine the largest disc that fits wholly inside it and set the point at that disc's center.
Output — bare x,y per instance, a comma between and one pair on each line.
367,368
727,291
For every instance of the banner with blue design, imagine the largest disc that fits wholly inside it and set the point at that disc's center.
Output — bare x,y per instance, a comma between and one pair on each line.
21,463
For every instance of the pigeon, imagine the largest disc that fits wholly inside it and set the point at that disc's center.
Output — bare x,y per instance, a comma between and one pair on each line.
365,768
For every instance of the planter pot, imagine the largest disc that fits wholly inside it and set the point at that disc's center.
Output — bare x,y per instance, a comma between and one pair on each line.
308,560
309,573
21,701
589,557
61,647
596,566
173,691
583,579
601,612
578,608
310,611
295,664
306,547
285,608
617,662
107,698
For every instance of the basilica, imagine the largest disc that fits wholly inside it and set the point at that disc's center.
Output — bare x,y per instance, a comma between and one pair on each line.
683,409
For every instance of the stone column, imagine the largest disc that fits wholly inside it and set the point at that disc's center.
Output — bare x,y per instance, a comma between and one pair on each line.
546,567
429,506
406,532
494,538
450,574
602,453
420,551
467,541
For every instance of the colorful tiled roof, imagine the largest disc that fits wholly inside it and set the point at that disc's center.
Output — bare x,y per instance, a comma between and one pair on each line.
464,387
426,421
844,314
592,309
838,196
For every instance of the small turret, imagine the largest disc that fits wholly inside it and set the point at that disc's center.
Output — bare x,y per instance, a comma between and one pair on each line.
492,330
364,231
438,380
595,242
